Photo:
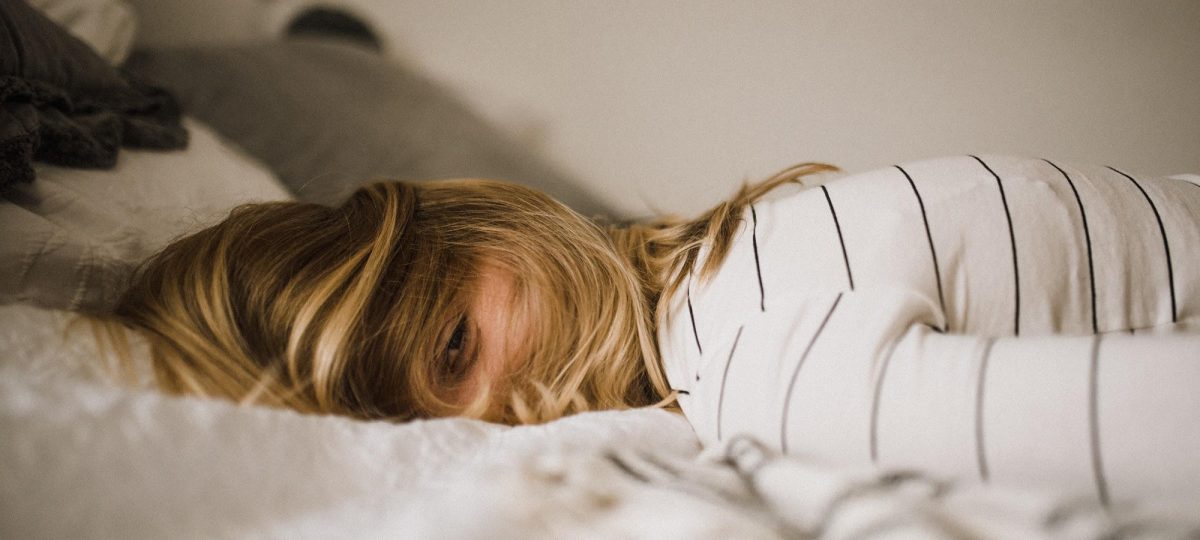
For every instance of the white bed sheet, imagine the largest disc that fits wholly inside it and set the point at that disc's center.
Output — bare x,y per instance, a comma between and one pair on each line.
82,457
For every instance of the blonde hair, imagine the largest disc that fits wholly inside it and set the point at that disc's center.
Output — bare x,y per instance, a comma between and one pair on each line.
345,310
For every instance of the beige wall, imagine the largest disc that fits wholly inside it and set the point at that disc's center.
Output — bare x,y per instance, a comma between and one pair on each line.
669,104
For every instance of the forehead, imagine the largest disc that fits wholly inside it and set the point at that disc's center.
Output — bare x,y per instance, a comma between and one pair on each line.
495,287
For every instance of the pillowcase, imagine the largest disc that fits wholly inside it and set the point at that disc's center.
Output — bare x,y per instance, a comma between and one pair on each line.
72,238
326,115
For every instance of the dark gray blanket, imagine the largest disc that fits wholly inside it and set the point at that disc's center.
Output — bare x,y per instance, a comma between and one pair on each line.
63,104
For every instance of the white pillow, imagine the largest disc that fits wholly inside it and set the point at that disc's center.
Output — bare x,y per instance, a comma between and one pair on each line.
72,236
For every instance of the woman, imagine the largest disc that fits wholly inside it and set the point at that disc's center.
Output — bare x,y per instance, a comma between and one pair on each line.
872,318
471,297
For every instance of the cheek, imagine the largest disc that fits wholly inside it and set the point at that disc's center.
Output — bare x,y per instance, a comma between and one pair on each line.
502,331
504,342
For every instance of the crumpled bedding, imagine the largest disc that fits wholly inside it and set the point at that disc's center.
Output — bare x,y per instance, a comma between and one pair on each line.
83,457
72,238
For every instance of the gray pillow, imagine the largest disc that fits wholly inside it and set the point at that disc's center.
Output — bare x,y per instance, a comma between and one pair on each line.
326,115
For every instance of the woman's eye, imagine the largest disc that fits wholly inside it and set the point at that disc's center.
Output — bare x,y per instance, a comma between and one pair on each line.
458,337
455,361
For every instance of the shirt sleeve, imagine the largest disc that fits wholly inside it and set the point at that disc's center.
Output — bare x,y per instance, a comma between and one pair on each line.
865,376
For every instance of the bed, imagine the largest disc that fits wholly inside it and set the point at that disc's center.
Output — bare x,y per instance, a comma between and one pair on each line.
85,455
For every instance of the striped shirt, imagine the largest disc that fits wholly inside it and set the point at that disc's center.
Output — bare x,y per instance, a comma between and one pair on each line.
1017,321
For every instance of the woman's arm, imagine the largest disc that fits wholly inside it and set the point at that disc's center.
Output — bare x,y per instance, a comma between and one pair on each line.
1115,413
863,376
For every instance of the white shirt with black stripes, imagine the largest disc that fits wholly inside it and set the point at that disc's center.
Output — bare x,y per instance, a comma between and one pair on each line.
1017,321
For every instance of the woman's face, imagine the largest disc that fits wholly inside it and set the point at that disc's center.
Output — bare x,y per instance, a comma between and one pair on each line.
553,320
488,343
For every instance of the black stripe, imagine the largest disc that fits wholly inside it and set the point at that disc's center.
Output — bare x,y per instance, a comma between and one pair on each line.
842,241
682,392
1166,245
883,368
1094,423
1087,236
724,376
762,294
692,317
937,273
1012,238
980,447
787,398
